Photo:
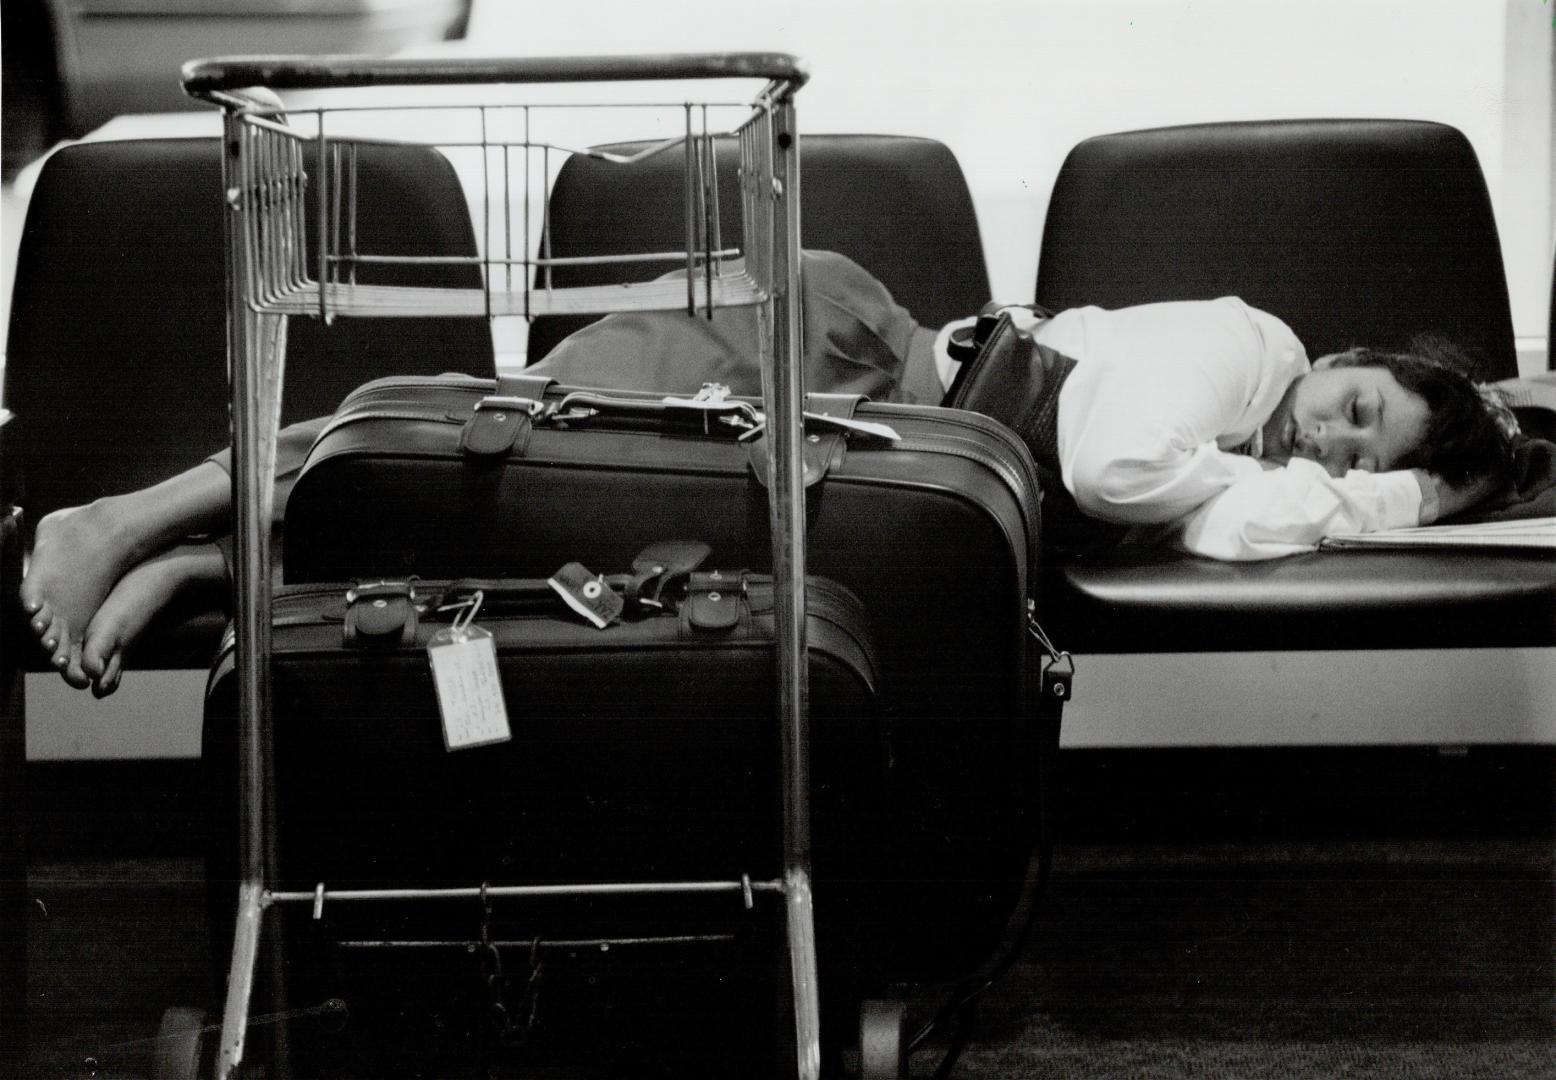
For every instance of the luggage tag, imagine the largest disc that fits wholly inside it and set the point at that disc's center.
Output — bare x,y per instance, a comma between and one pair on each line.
464,674
588,594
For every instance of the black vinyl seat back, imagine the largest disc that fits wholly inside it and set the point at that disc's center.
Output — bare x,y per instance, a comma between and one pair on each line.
116,366
898,206
1355,232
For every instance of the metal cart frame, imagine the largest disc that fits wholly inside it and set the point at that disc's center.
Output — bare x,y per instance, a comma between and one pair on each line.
276,269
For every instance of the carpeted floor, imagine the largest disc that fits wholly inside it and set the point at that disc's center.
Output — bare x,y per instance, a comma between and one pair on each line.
1404,958
1197,926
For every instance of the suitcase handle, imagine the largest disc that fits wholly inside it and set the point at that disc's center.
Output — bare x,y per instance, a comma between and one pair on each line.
829,422
825,413
710,410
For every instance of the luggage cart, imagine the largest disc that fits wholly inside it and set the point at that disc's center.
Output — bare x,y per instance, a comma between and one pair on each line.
281,163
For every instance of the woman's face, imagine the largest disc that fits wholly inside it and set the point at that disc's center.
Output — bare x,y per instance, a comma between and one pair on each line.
1346,417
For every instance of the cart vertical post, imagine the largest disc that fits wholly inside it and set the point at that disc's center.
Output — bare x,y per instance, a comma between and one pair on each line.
256,346
784,394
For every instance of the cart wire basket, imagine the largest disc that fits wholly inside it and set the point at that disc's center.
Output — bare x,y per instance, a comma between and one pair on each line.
290,185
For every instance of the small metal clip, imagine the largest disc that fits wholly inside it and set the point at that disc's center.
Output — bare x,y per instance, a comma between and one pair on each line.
1059,672
457,628
528,406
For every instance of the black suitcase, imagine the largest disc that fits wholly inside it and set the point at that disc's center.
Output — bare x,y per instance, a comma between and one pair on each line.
933,523
644,751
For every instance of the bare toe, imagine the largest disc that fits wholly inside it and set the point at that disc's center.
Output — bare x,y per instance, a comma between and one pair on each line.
31,596
42,616
72,672
108,682
57,642
100,647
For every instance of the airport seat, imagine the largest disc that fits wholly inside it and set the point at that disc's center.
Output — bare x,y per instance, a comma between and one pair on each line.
896,205
116,367
1353,232
115,377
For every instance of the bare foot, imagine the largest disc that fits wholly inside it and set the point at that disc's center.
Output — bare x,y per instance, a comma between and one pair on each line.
77,557
79,554
188,571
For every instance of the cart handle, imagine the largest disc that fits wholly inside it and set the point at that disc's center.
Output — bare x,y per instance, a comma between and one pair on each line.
204,78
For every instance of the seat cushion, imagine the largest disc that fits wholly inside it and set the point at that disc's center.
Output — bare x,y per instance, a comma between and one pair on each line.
1150,601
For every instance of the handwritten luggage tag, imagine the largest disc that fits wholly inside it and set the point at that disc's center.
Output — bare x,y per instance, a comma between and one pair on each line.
464,673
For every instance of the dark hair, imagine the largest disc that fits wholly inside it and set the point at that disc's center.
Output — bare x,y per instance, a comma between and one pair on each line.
1465,438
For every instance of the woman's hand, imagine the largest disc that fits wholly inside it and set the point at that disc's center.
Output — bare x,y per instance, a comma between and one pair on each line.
1453,499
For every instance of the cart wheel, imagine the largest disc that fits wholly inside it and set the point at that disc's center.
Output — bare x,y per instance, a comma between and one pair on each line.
180,1041
882,1049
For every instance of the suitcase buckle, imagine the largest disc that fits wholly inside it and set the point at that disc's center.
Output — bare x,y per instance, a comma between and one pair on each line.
499,424
529,406
714,600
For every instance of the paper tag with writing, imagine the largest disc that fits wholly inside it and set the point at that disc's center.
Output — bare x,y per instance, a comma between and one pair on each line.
464,672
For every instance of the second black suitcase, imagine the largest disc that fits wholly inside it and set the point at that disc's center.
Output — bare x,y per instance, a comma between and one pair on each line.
644,751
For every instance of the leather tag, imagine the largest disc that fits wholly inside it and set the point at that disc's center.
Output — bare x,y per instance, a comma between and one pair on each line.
822,448
380,615
495,432
713,601
588,594
661,565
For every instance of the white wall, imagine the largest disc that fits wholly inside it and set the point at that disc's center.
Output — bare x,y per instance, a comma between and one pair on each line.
1011,85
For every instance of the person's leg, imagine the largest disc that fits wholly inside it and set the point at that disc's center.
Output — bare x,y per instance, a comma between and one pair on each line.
80,553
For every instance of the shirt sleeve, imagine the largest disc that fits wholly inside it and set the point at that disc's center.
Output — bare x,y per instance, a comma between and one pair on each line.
1289,510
